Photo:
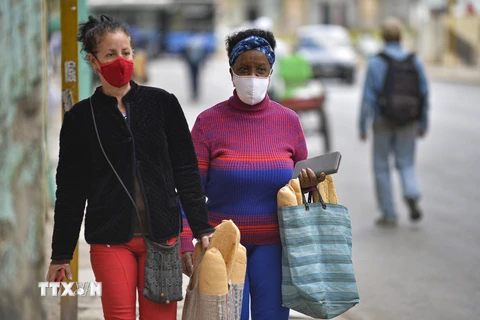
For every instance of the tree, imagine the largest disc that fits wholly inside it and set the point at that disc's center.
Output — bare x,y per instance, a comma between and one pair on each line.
22,158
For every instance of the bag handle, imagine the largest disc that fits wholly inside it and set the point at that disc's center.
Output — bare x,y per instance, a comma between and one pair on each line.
195,285
307,207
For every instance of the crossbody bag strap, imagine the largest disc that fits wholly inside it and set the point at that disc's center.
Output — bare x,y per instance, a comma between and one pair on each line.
120,179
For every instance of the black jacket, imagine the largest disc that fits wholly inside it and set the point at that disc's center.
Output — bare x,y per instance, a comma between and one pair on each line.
154,144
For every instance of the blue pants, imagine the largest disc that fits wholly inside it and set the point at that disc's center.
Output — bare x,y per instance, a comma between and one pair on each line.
263,284
401,143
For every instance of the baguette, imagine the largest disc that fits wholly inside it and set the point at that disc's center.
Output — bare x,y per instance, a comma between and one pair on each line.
327,190
286,197
239,266
213,274
295,183
226,239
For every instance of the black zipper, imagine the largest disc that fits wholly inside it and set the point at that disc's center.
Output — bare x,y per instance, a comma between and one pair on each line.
126,121
136,173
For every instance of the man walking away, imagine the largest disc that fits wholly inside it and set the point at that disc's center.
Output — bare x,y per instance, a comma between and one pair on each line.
395,96
195,55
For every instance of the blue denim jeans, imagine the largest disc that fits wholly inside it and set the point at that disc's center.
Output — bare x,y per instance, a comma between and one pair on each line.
399,142
263,284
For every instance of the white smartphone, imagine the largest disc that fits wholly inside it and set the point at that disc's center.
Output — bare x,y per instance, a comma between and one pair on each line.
328,163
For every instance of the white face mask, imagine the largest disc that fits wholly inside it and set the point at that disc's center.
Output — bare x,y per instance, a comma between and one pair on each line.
250,89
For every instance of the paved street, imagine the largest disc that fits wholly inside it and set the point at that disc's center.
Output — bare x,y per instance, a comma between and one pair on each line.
428,271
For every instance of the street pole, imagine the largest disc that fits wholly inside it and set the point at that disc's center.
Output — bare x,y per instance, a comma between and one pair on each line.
69,25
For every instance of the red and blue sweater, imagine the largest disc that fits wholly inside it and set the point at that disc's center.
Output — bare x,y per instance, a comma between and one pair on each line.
245,155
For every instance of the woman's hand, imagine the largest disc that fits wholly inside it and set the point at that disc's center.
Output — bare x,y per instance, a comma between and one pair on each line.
308,178
187,257
54,271
187,263
206,240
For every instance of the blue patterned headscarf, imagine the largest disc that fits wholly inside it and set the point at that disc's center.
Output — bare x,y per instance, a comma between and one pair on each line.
250,43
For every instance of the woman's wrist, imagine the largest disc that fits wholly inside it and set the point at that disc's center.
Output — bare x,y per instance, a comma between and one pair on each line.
60,261
308,189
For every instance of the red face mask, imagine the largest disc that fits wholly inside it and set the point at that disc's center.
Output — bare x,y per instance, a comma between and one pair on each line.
117,72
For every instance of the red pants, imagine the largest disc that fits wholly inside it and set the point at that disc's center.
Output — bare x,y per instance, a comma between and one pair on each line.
120,269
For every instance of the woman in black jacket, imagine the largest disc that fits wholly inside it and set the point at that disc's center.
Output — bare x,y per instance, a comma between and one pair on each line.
146,138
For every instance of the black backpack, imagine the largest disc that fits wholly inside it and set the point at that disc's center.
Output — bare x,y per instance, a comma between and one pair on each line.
400,100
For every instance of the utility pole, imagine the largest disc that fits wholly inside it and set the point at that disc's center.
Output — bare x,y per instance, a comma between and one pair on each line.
76,84
70,84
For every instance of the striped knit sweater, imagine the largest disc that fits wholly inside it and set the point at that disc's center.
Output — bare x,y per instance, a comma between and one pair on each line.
245,155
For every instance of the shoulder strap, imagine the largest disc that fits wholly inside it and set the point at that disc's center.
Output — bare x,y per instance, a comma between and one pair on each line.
385,56
410,57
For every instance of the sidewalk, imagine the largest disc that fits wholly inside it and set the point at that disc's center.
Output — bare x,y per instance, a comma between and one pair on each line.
90,308
460,74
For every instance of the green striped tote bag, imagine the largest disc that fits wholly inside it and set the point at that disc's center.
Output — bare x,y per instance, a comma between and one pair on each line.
317,270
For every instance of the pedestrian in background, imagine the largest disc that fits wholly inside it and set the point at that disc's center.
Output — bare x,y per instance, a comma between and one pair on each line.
195,54
144,133
247,147
395,95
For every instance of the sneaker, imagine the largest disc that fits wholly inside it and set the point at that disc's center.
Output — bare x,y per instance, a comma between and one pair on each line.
415,213
386,222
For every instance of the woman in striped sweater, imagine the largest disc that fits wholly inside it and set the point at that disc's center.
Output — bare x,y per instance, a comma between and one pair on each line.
247,147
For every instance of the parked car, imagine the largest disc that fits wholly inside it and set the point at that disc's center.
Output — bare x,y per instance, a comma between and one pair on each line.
329,51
